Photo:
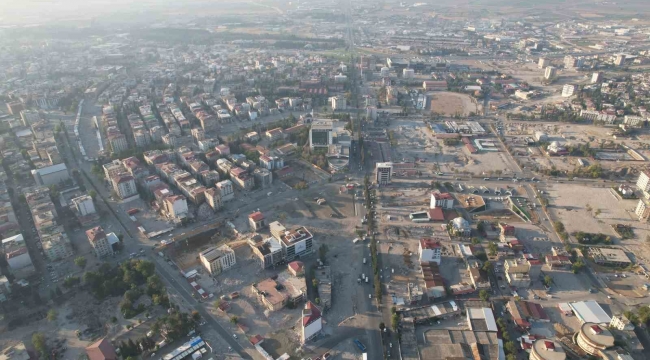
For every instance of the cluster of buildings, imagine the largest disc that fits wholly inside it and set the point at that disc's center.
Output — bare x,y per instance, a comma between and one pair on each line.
53,238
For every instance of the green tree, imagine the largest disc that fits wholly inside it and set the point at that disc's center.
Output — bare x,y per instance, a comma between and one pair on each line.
234,319
548,280
484,295
488,266
493,248
38,340
394,321
314,282
92,194
52,315
80,261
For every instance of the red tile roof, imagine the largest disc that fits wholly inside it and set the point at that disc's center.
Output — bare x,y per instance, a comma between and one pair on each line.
436,214
101,350
296,266
256,216
429,243
313,315
256,339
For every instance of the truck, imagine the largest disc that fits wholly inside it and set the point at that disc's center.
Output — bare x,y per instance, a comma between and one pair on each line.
360,345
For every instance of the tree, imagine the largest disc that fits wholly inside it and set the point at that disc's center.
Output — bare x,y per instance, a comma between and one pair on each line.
314,282
493,248
195,316
38,340
322,251
52,315
548,281
597,212
510,347
484,295
382,326
80,261
394,321
488,266
92,194
234,319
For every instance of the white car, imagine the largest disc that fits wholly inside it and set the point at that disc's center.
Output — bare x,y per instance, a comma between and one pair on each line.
234,335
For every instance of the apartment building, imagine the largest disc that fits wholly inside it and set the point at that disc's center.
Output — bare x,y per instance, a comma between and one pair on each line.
226,190
213,198
124,186
99,242
430,250
218,259
517,272
296,243
269,252
383,173
176,206
643,182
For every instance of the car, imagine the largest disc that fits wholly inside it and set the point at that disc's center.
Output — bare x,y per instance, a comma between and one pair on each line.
234,335
369,296
609,297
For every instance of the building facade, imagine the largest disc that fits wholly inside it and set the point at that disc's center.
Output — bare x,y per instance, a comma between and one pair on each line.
217,259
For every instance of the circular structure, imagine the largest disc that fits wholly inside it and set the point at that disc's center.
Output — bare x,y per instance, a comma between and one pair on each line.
594,338
337,162
545,349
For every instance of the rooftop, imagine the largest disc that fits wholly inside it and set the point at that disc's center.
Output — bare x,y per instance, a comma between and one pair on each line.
293,236
590,312
461,344
213,253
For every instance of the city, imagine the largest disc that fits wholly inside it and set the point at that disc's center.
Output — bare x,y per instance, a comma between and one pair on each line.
325,180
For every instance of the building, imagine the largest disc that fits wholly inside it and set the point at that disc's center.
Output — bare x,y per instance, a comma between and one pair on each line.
29,117
620,60
226,190
609,256
51,175
213,198
296,268
408,73
622,323
594,339
84,205
295,243
124,186
543,63
383,173
568,90
312,323
15,107
339,103
643,182
269,252
590,312
99,242
443,344
263,177
550,73
596,77
17,351
269,295
481,319
320,134
176,206
217,259
15,251
5,291
460,227
101,350
517,272
430,250
256,221
435,85
634,121
546,349
441,200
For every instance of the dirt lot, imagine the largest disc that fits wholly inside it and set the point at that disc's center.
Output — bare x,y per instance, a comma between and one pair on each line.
449,103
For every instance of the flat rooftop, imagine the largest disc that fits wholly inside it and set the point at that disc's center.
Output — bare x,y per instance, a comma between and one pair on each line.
291,237
460,344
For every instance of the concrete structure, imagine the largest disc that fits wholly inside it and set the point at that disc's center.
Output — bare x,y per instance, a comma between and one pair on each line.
643,182
609,256
542,63
594,339
176,206
622,323
217,259
29,117
15,252
517,272
124,186
460,227
429,250
550,73
213,198
383,173
546,349
596,77
84,205
295,243
441,200
408,73
99,242
339,103
226,190
269,252
620,60
568,90
320,134
312,322
51,175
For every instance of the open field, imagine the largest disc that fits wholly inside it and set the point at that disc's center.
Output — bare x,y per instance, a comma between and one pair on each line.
449,103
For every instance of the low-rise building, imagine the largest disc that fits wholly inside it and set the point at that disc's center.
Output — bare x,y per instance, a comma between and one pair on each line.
442,200
517,272
594,339
51,175
609,256
256,221
429,250
312,323
546,349
269,252
217,259
622,323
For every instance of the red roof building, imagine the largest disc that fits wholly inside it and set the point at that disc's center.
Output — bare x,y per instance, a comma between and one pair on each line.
296,268
101,350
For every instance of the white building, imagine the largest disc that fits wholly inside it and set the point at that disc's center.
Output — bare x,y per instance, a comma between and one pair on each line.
430,251
441,200
84,205
124,186
643,182
312,322
633,121
568,90
99,242
213,198
176,206
550,73
295,243
622,323
543,63
16,254
383,173
643,209
218,259
408,73
596,77
226,190
339,103
51,175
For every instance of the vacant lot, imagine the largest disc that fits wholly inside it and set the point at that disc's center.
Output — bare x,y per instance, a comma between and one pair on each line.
452,103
